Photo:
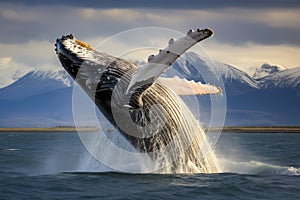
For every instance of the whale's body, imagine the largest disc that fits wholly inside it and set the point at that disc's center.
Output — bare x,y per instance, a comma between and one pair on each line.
148,113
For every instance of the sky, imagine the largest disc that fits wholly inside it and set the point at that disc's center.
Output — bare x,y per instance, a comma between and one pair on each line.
246,33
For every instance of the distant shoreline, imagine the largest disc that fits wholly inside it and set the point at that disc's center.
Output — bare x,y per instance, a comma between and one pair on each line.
257,129
49,129
233,129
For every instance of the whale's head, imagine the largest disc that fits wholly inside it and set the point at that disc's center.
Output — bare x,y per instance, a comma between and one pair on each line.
100,75
72,53
89,67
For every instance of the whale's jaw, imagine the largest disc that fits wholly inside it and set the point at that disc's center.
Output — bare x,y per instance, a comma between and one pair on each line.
96,72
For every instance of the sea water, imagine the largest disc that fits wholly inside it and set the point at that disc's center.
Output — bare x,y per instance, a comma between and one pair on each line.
49,166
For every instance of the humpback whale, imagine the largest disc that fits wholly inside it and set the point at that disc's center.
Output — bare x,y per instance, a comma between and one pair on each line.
145,108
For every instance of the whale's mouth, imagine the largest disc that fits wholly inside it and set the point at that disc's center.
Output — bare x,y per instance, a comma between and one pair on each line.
75,54
72,52
69,43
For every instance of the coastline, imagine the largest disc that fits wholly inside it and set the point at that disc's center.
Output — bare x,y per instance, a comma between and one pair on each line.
233,129
49,129
257,129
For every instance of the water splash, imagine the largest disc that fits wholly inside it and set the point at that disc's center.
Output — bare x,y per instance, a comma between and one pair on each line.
181,147
257,168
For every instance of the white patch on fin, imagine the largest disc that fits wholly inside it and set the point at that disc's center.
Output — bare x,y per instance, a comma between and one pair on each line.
185,87
158,64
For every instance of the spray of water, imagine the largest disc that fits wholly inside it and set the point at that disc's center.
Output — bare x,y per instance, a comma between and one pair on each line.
180,147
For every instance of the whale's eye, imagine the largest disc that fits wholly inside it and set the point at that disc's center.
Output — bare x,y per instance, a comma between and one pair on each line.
84,44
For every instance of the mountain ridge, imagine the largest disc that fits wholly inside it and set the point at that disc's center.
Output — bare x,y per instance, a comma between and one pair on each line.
44,98
265,69
34,83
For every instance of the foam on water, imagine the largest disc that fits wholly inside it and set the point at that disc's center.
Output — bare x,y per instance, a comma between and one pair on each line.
142,163
178,145
90,164
257,168
11,149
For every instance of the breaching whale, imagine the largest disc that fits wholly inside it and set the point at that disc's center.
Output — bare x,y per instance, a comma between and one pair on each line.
145,108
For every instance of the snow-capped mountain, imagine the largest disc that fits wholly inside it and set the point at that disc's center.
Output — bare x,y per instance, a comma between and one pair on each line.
235,81
39,98
9,76
42,110
265,70
36,83
283,79
271,100
44,98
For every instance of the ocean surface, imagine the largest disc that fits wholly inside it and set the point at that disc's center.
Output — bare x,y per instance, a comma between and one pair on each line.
52,166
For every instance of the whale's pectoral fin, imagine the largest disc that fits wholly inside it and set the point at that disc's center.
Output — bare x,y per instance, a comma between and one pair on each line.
185,87
157,64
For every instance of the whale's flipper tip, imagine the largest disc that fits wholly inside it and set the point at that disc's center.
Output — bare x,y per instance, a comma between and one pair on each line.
184,87
158,64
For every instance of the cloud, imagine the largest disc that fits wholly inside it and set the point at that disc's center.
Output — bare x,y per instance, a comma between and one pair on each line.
167,4
138,44
9,14
19,59
245,31
281,18
5,61
11,71
232,25
251,54
18,15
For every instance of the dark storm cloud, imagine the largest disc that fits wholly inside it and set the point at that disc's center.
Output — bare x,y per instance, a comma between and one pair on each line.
239,33
167,4
16,32
48,24
21,23
30,27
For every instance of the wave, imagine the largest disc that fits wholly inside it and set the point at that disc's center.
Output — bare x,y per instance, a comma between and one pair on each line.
11,149
227,166
258,168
